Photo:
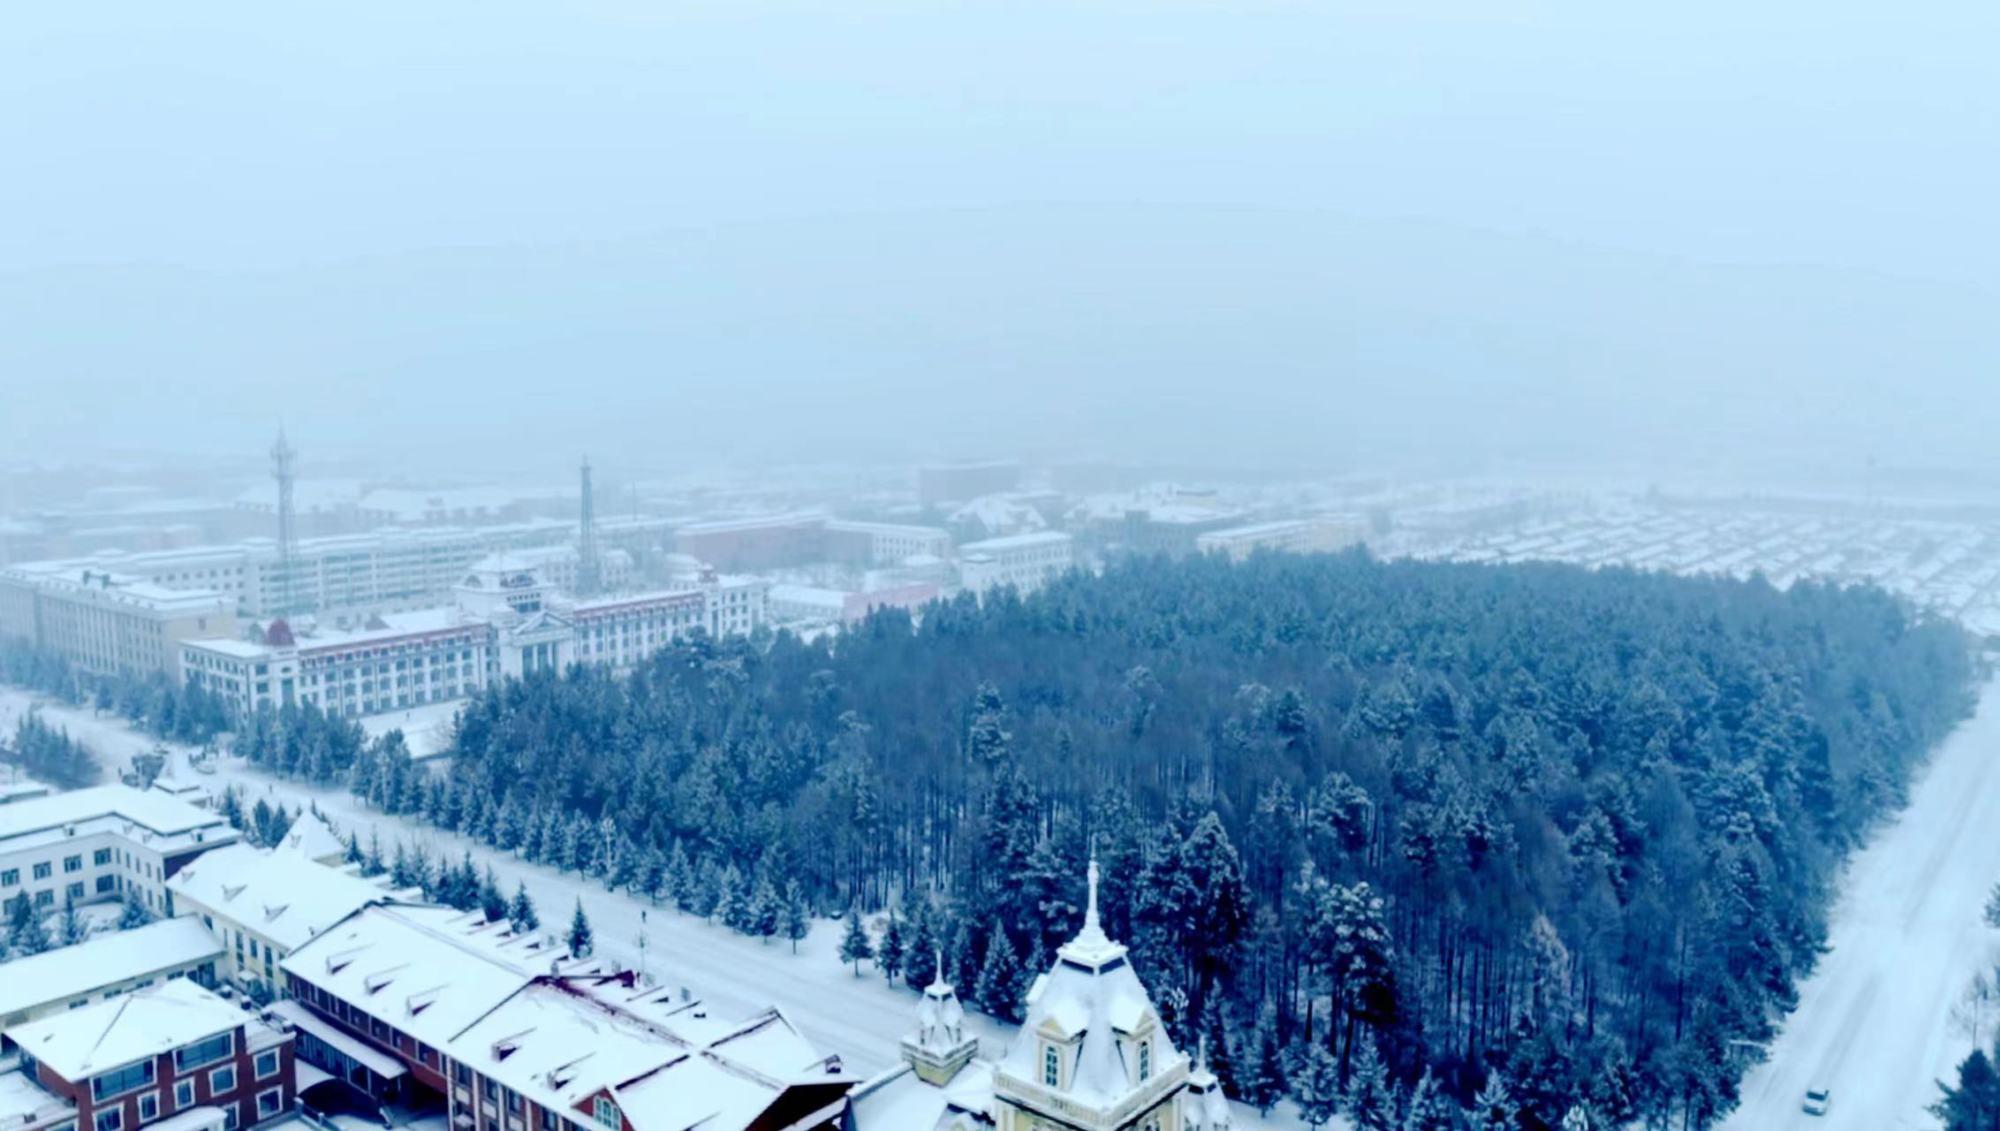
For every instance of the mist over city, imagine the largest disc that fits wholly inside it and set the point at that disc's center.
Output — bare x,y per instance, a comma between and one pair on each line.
885,567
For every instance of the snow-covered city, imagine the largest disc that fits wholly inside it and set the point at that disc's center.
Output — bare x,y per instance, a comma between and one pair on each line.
785,566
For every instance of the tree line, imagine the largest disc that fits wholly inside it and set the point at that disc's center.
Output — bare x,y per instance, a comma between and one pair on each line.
1537,841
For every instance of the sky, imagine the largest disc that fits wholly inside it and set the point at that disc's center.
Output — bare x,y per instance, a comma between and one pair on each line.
1447,235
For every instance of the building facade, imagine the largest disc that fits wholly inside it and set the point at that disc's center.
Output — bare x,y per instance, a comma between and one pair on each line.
505,622
103,843
1296,536
103,966
156,1055
1024,561
259,905
108,623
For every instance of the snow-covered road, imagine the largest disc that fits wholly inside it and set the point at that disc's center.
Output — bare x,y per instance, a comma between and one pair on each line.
1874,1021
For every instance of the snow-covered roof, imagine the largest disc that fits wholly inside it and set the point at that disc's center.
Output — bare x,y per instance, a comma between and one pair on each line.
1089,1005
280,894
150,817
1014,542
103,960
430,971
103,1035
25,1103
311,838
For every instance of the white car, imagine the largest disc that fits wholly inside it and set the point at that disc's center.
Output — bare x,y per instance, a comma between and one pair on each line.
1817,1101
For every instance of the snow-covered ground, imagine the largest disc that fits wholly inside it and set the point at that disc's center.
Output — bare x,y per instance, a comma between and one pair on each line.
1874,1021
861,1018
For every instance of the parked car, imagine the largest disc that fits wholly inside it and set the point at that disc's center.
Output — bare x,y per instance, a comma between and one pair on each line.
1817,1101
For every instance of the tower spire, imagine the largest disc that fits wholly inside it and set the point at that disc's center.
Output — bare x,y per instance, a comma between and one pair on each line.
283,468
589,569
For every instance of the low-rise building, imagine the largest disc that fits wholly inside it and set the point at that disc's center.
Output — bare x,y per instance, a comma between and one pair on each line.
444,1011
103,843
156,1056
1297,536
1024,561
103,966
261,904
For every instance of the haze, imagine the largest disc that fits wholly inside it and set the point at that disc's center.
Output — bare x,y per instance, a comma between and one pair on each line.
1746,237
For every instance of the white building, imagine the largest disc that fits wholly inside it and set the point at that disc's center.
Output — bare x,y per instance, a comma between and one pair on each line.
102,843
1092,1055
104,966
1024,561
888,542
506,621
264,903
380,571
1297,536
108,622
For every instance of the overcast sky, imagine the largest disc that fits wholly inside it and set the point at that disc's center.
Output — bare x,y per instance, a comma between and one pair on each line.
1477,234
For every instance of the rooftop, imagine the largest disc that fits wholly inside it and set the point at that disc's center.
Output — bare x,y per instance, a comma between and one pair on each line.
281,894
143,1023
102,960
1015,542
154,812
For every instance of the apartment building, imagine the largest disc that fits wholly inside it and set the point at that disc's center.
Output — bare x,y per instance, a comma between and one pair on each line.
105,622
172,1054
103,843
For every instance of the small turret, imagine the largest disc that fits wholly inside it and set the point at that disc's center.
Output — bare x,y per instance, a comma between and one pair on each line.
1203,1106
939,1047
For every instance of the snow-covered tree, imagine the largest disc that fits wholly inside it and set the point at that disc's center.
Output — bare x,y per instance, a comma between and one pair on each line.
1369,1100
854,944
798,916
889,954
1493,1109
999,978
1316,1086
580,938
521,911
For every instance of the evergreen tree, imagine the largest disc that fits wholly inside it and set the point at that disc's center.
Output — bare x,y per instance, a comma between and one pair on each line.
521,911
71,929
999,978
1975,1104
652,879
26,933
491,903
889,955
854,944
675,877
1265,1082
1493,1109
764,908
798,916
1215,1044
579,939
133,913
1369,1100
1429,1109
371,863
729,903
1316,1086
919,964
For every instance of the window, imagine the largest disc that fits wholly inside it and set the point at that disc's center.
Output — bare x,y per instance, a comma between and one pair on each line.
73,863
110,1119
222,1080
183,1094
460,1073
229,1117
10,878
269,1101
149,1107
266,1064
101,857
606,1113
1051,1066
204,1052
45,898
120,1081
74,891
1145,1060
106,883
43,870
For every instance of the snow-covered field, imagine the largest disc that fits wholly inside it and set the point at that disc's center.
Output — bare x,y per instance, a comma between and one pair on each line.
1874,1020
861,1018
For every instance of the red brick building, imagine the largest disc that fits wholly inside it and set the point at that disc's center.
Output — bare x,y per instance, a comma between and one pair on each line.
173,1051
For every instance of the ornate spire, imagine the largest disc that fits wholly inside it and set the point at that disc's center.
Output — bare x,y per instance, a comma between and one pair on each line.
1092,946
939,981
